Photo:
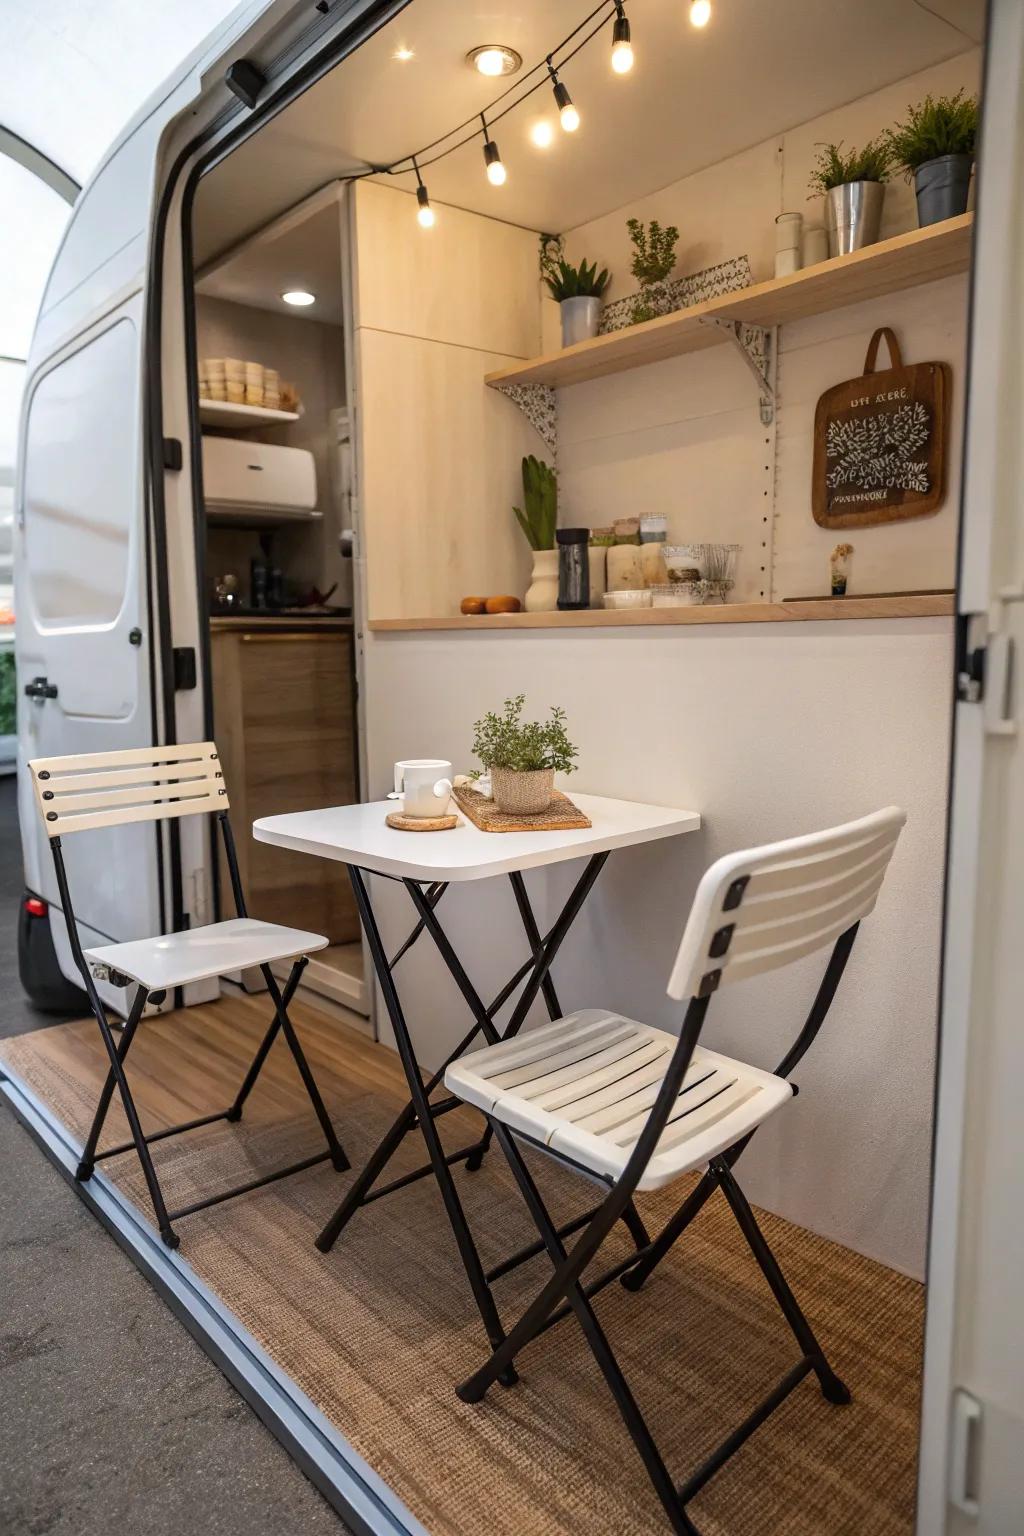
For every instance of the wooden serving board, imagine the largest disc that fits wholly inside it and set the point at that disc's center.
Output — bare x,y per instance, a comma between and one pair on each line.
560,816
403,823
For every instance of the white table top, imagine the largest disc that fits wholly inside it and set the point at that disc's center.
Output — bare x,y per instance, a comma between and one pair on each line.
357,834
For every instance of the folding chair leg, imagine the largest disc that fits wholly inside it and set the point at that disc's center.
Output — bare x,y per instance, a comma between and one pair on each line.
256,1066
163,1221
600,1347
698,1197
334,1146
87,1162
833,1389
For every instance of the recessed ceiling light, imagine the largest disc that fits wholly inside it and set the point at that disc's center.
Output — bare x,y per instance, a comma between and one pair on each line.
300,297
403,54
542,133
495,59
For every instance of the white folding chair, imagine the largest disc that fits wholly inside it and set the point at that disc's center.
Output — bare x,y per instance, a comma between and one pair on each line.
110,789
637,1107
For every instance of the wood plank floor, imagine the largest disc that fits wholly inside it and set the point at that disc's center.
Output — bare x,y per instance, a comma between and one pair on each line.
379,1331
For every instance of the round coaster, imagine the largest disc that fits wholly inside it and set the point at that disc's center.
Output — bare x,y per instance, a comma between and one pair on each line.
403,823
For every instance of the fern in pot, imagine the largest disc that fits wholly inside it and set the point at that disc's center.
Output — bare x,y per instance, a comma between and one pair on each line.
523,756
853,186
935,149
577,291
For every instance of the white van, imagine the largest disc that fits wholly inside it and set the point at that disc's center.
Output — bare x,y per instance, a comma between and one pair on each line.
114,647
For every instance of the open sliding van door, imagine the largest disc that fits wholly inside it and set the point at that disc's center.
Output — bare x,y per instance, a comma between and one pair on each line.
111,638
972,1440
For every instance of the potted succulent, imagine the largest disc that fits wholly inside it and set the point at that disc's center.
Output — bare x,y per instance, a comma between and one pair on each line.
577,291
654,256
538,517
935,149
853,186
522,757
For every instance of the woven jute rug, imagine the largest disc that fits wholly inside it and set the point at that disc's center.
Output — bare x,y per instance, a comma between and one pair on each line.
379,1331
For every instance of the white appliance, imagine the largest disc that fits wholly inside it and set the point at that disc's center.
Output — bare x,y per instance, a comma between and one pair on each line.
263,481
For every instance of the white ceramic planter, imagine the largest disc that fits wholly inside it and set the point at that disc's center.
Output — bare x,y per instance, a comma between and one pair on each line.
542,593
579,319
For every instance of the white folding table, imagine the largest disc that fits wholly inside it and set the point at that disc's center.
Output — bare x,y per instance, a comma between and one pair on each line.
426,863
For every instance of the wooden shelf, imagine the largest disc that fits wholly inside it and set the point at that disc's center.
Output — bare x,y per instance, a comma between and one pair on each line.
921,256
913,605
221,413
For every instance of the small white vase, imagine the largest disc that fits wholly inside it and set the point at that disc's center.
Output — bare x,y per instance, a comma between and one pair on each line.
542,593
580,319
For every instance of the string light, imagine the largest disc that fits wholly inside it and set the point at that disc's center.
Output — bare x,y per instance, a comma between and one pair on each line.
496,173
700,12
424,213
622,48
568,115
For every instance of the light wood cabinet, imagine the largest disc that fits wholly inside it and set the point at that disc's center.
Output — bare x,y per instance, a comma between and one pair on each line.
284,718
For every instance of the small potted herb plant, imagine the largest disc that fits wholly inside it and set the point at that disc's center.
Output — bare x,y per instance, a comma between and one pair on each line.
577,291
654,256
522,756
853,186
935,149
538,518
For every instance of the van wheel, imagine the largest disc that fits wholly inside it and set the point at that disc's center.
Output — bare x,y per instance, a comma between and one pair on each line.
41,977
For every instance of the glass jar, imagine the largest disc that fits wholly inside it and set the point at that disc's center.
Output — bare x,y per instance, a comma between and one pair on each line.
573,568
602,537
627,530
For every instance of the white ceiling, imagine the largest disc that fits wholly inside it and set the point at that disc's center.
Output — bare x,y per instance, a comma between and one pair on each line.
759,68
301,250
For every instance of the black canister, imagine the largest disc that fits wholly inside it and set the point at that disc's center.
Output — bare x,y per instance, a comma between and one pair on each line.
573,567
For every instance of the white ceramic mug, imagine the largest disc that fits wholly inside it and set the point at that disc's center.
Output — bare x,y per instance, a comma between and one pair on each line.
425,785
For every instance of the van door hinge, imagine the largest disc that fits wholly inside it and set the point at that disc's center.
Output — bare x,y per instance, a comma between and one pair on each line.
971,652
173,458
184,668
965,1449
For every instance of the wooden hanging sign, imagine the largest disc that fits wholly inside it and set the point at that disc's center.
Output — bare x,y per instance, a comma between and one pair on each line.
880,442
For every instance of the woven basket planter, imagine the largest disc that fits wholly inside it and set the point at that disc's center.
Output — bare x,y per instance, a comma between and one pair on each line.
522,794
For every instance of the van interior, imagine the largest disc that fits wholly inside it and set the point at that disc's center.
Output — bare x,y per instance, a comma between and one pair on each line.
364,387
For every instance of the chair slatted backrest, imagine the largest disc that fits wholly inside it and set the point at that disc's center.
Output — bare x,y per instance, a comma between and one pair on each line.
767,907
110,789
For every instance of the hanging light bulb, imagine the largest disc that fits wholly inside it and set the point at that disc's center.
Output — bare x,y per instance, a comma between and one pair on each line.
424,212
700,12
570,118
496,173
622,48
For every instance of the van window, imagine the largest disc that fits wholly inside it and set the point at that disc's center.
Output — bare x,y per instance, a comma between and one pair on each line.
81,468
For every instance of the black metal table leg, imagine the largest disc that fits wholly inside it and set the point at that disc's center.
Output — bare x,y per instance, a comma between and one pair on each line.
518,884
446,1184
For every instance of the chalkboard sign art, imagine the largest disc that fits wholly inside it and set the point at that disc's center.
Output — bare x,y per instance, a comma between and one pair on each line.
880,442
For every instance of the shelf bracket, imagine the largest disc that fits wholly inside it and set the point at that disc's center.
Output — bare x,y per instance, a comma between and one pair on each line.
754,344
537,403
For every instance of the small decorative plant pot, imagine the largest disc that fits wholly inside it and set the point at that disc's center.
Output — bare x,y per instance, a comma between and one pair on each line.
942,186
542,593
579,319
853,215
522,794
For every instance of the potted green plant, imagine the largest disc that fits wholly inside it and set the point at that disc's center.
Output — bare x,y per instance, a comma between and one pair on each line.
577,291
538,518
853,186
935,149
654,256
523,756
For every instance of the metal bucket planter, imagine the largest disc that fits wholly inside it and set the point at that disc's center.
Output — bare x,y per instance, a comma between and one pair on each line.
942,186
579,319
853,215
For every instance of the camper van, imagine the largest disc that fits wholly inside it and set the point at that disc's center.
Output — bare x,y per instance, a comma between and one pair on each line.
356,294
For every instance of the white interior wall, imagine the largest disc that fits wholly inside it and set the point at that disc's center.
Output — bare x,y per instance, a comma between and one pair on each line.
684,437
310,355
768,731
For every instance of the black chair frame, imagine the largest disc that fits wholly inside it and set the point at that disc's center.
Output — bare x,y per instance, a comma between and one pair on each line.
117,1052
565,1293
